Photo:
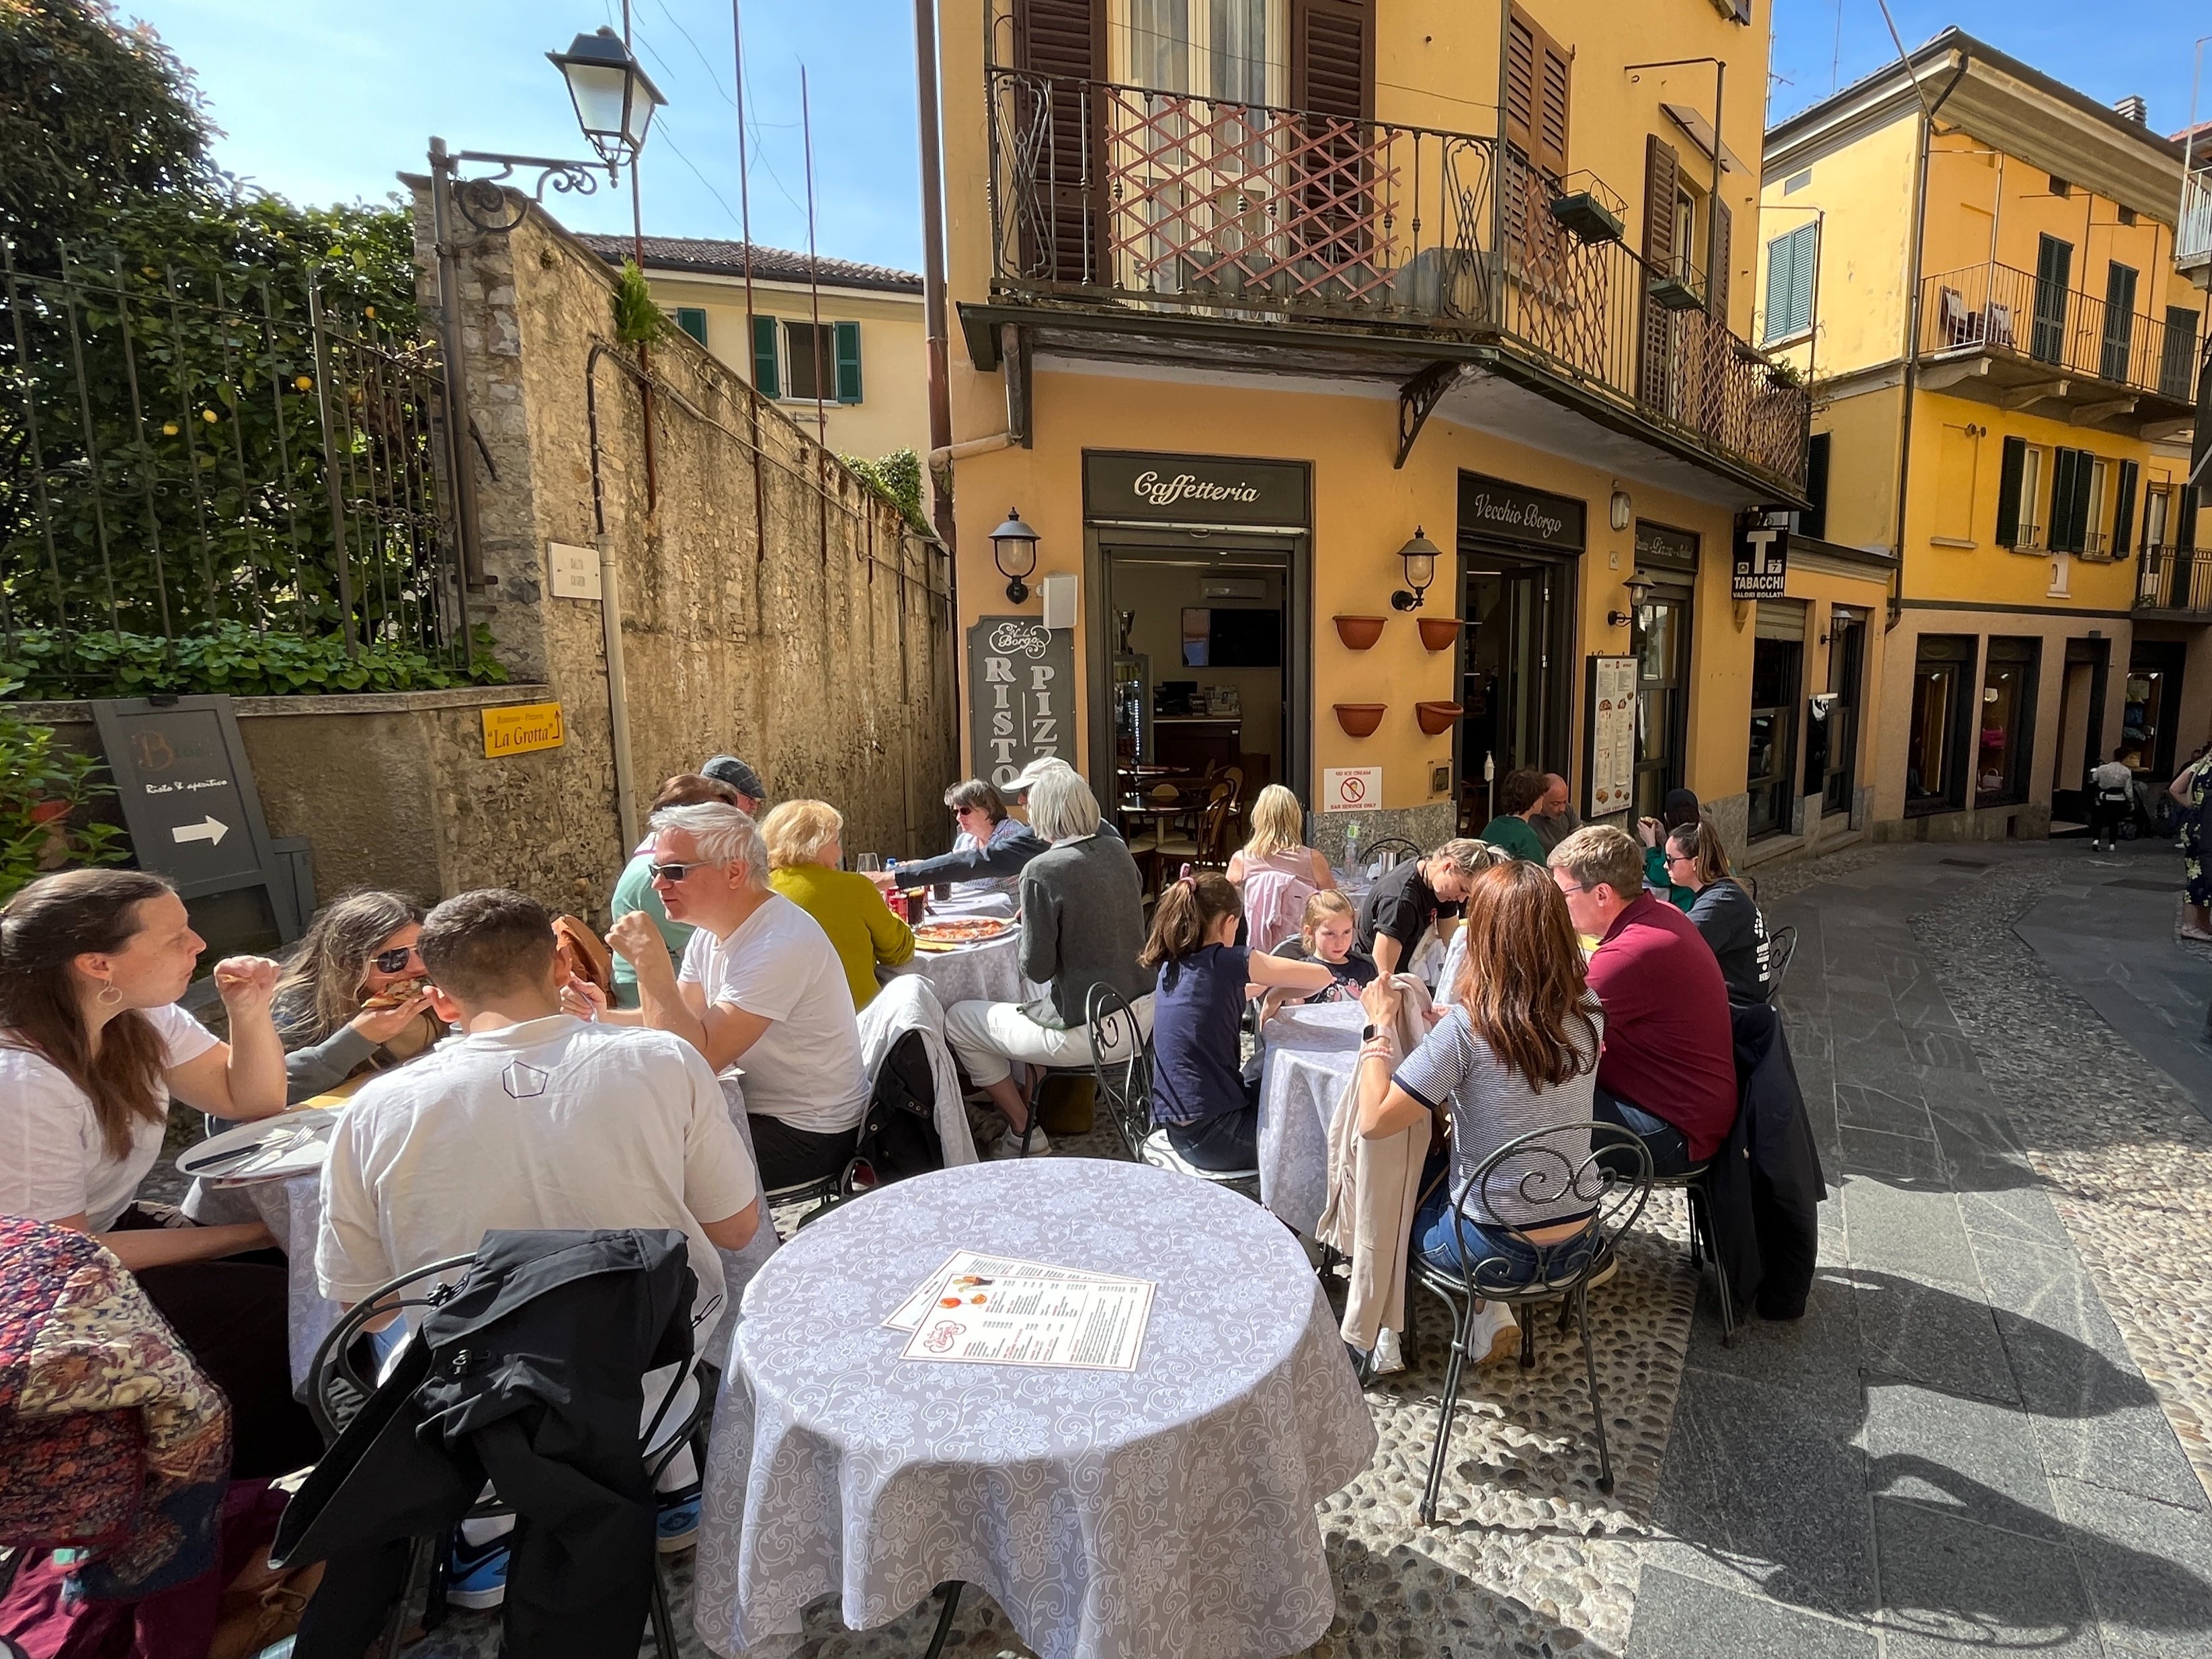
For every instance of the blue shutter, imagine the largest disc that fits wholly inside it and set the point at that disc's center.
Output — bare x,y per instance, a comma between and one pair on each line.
848,362
766,381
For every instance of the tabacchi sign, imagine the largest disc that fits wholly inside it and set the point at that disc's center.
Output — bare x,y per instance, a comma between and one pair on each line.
1120,487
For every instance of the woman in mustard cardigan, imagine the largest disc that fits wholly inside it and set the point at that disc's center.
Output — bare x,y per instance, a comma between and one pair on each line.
805,844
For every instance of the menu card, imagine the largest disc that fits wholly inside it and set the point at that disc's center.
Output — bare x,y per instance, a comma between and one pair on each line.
979,1309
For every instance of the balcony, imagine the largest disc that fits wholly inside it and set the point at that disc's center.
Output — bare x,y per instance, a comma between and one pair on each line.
1182,228
2000,335
2192,237
2174,584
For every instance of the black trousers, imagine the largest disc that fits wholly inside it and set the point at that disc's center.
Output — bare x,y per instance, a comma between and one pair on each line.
2105,818
1669,1149
790,1157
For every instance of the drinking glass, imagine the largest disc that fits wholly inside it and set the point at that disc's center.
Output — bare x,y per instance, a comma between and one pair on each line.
870,863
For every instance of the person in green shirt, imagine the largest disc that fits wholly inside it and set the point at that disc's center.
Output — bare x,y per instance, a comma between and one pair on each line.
1518,797
633,888
1678,811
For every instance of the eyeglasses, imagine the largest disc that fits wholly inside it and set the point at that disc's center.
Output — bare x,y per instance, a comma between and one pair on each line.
392,961
1681,858
673,872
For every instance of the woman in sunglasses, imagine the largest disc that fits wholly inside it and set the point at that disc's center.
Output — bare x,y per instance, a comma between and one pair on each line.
352,999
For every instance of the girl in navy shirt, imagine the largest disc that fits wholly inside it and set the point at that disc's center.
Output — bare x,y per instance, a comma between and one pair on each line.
1199,1097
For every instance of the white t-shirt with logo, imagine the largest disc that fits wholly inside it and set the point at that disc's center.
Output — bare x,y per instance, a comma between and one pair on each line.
806,1068
552,1122
53,1158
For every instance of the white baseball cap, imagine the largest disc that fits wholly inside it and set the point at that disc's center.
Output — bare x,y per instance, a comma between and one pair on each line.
1028,776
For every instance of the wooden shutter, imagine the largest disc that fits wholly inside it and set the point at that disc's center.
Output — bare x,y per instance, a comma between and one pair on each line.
2184,517
2065,467
1554,97
1066,39
2123,515
2009,470
1539,94
766,380
848,362
1717,280
1662,176
692,319
1815,523
1332,57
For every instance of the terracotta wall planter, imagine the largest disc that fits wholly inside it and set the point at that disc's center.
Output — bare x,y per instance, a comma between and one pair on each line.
1359,632
1360,720
1436,717
1439,633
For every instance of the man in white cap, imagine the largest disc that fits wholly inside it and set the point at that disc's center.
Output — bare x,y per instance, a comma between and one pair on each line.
1024,781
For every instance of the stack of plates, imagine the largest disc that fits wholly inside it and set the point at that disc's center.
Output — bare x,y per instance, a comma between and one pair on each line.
268,1149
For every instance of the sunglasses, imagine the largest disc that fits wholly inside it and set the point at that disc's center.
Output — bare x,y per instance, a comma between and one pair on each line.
392,961
673,872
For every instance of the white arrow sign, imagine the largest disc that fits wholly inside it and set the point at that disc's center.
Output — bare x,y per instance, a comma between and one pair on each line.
210,830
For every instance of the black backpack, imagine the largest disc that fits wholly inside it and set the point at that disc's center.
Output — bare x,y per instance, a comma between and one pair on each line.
899,1138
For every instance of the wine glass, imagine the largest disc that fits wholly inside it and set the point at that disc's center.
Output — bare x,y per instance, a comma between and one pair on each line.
870,863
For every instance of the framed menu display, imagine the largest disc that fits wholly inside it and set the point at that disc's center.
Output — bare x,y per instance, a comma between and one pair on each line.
1609,738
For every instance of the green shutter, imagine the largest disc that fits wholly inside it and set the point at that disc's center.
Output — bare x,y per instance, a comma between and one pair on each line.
1781,255
692,319
2184,517
765,378
2008,478
2123,516
848,362
2065,467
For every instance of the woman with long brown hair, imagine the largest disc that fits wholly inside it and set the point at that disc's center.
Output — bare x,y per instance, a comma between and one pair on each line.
1516,1053
1726,914
93,1045
353,996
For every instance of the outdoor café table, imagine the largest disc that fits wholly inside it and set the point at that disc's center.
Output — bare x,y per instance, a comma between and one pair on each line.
1310,1051
1164,1513
990,971
292,1210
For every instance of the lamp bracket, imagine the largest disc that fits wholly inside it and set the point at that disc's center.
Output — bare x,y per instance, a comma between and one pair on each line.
1406,600
484,202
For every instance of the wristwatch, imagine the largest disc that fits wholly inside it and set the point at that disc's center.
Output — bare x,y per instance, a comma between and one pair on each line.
1369,1033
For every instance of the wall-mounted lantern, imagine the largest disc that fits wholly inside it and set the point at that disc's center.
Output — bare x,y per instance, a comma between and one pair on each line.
1639,590
1013,549
1420,556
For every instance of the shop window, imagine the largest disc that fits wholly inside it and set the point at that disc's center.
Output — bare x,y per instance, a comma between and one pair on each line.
1935,756
2007,722
1777,665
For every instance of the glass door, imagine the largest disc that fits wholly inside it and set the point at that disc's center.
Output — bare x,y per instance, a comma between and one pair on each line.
1846,675
1513,677
1660,641
1773,775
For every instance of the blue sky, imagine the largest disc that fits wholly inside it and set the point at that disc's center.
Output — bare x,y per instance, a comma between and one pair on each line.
325,100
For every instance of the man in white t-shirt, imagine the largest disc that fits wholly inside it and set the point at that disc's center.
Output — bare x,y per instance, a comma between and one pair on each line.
2112,800
529,1117
760,983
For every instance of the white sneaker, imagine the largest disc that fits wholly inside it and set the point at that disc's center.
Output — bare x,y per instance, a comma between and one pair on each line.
1010,1143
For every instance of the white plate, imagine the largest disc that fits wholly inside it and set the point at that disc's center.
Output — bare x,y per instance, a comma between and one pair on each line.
268,1149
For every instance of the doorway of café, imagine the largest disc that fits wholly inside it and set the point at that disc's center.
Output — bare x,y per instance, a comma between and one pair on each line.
1514,670
1200,682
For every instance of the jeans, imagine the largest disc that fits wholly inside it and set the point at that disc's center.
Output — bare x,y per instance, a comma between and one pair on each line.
1229,1142
1499,1257
1670,1152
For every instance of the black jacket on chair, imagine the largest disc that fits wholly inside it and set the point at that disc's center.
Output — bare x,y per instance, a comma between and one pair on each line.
530,1377
1767,1179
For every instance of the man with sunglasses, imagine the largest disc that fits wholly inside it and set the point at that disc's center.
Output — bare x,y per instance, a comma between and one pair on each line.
760,983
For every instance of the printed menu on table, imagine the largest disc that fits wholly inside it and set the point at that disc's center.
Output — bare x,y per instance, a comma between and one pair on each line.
973,1263
979,1310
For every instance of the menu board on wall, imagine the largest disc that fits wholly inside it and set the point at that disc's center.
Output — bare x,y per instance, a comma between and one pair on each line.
1021,695
1609,737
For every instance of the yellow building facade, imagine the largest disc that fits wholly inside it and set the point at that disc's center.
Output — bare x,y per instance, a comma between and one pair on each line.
1976,266
846,345
1373,444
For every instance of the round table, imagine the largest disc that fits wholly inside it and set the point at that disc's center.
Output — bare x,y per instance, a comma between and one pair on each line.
988,972
1311,1050
1162,1513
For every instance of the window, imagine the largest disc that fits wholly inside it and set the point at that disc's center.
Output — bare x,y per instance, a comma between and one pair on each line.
2019,490
793,359
1686,242
2127,215
1232,49
1796,181
1956,465
2059,186
1790,261
2114,360
2008,722
692,319
1935,747
2157,506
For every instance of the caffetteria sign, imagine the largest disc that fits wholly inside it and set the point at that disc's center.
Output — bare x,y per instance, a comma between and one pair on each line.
1121,487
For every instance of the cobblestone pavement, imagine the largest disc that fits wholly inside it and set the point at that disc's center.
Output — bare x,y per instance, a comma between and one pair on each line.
1989,1430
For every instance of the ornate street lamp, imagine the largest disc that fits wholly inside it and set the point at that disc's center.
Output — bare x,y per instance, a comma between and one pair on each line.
1420,556
1013,549
614,97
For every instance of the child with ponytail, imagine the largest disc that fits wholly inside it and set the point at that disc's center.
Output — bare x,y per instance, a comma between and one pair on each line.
1198,1098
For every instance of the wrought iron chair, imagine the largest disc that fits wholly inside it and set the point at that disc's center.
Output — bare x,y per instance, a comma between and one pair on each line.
1574,1166
1781,946
1124,1084
1380,858
338,1385
1695,1184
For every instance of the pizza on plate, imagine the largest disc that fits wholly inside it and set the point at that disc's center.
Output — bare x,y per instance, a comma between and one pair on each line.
969,930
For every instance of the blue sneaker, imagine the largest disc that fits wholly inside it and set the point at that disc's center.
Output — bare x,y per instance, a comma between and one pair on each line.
677,1525
477,1577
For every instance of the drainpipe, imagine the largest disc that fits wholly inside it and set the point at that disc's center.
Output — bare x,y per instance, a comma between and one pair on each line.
944,454
933,309
1911,379
618,688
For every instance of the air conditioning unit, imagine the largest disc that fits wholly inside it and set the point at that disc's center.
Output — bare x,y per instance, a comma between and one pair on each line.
1233,587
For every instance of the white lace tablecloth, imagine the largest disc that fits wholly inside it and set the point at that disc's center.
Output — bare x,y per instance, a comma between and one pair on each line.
292,1210
1166,1513
989,972
1310,1052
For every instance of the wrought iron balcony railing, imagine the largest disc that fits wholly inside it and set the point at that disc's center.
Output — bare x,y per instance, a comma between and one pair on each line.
2174,579
1167,203
1993,307
2192,237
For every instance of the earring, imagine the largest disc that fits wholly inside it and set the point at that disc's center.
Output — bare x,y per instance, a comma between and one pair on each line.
108,997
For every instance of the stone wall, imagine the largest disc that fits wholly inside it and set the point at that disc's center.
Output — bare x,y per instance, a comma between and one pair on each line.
805,627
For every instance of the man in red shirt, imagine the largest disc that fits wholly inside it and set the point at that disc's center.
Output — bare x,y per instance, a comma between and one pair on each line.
1667,1073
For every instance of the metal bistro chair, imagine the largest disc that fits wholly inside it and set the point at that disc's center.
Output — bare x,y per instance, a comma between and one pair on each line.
1695,1184
1387,855
1125,1084
1546,1167
338,1386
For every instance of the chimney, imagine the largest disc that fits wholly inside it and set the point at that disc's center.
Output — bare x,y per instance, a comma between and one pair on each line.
2132,108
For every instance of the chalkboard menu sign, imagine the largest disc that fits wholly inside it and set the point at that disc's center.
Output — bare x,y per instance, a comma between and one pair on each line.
189,800
1021,695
